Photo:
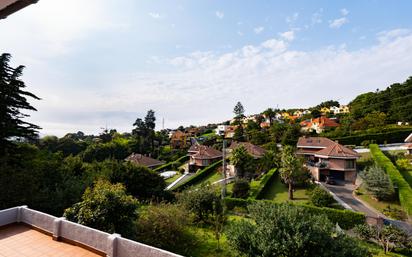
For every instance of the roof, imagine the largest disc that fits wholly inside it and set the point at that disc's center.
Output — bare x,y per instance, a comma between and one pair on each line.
143,160
254,150
8,7
338,151
177,135
314,142
409,146
325,122
204,152
409,139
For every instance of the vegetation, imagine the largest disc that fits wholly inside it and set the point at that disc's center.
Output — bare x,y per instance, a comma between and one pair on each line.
319,197
285,230
264,184
201,174
240,188
277,192
242,161
377,182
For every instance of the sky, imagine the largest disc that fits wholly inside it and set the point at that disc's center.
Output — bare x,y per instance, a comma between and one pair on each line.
104,63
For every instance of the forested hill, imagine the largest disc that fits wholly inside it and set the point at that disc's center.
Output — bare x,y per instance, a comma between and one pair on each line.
395,101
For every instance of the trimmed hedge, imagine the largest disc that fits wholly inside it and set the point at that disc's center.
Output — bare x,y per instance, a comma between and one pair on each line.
404,190
171,164
345,218
265,182
198,176
379,138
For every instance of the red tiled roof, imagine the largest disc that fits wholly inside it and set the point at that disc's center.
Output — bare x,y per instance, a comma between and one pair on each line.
204,152
325,122
306,123
337,150
314,142
254,150
143,160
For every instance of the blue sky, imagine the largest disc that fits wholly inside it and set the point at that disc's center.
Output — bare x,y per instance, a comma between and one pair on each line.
104,62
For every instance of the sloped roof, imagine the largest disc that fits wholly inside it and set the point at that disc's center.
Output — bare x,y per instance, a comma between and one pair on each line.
254,150
325,122
409,139
314,142
409,146
205,152
8,7
143,160
337,150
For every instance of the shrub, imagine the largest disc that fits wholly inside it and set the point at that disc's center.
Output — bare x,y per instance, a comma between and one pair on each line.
319,197
241,188
377,182
395,213
198,176
164,226
265,182
379,138
287,230
173,165
404,190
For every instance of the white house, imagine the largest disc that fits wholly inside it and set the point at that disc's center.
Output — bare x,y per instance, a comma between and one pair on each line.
334,109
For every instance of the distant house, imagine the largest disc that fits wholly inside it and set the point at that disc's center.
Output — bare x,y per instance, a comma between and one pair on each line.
201,156
146,161
334,109
344,109
318,125
409,146
298,113
325,157
325,110
230,131
220,130
254,150
306,112
285,115
264,124
179,139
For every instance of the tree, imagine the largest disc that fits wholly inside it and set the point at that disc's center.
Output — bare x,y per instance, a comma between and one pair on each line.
242,161
241,188
239,134
387,236
13,99
150,120
292,170
327,104
239,111
289,231
319,197
105,207
377,182
270,115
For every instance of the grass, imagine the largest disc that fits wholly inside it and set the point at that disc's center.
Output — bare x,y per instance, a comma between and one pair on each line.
207,244
212,177
172,179
377,251
378,205
278,192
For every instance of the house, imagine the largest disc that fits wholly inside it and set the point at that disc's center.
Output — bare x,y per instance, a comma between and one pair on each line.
8,7
306,112
220,130
179,139
344,109
264,124
325,110
285,115
142,160
298,113
254,150
334,109
409,146
201,156
319,124
230,131
325,157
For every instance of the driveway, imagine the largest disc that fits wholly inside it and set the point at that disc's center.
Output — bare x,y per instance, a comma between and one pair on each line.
344,192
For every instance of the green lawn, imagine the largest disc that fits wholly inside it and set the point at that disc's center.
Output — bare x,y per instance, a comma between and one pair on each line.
278,192
207,245
378,205
212,177
172,179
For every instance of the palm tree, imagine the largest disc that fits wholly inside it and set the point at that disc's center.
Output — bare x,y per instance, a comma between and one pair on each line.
291,169
270,114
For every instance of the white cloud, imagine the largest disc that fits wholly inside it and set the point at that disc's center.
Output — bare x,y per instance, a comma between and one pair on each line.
344,11
317,17
258,30
219,14
292,18
337,23
288,35
154,15
387,36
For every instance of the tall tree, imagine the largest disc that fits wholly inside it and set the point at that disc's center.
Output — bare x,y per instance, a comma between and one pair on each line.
270,115
239,111
13,99
292,170
150,120
242,161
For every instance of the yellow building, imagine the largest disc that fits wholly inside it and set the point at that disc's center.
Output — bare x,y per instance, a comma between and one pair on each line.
325,110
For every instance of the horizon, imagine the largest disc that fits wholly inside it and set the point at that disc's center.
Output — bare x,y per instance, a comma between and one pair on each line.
191,62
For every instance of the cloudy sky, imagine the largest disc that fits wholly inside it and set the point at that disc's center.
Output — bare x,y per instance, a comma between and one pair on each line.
99,63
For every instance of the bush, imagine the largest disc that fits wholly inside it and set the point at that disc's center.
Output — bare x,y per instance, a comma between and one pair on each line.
395,213
198,176
265,182
404,190
241,188
377,182
287,230
379,138
164,226
319,197
172,165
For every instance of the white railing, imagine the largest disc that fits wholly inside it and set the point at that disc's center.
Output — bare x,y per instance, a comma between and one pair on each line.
113,245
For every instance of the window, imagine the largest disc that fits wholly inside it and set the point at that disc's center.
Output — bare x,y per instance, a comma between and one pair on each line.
205,162
349,164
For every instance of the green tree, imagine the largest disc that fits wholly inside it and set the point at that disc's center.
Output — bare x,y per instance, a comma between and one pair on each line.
242,161
239,134
319,197
13,99
292,170
270,115
105,207
377,182
241,188
239,111
289,231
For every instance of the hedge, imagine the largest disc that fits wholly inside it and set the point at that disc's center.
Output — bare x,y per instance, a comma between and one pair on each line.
404,190
171,164
379,138
265,182
345,218
198,176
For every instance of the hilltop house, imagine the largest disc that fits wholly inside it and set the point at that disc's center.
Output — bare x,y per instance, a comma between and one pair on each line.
344,109
201,156
142,160
230,131
319,124
178,139
409,146
334,109
254,150
325,157
325,110
220,130
298,113
306,112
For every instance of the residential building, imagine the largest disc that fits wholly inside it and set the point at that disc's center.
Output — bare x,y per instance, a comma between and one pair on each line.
201,156
179,139
325,110
142,160
230,131
8,7
298,113
334,109
344,109
326,158
285,115
27,232
254,150
409,146
220,130
318,125
306,112
264,124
